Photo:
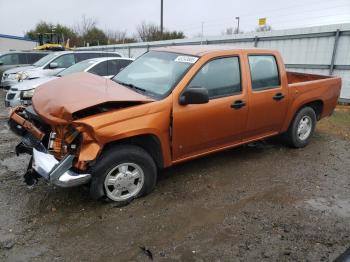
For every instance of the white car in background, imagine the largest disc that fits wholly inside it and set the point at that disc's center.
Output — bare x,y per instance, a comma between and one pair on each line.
22,92
49,65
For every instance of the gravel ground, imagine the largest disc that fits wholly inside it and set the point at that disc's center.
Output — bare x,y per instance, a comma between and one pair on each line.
262,202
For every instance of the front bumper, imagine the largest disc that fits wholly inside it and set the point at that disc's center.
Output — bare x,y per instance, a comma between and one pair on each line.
43,163
58,173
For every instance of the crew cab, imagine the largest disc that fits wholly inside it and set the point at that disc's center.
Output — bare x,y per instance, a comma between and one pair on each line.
170,105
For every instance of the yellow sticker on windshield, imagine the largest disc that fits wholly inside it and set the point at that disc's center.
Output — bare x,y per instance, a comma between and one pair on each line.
186,59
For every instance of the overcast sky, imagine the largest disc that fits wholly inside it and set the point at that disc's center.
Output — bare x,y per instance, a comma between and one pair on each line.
19,16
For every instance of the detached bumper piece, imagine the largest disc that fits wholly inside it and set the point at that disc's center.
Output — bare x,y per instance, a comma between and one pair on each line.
42,164
58,173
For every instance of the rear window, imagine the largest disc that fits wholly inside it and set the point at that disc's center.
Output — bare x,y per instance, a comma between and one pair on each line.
264,72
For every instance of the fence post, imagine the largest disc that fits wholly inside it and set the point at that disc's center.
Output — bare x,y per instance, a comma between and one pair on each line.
336,40
256,39
129,51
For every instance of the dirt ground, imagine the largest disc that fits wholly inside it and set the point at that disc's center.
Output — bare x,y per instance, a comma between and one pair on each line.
262,202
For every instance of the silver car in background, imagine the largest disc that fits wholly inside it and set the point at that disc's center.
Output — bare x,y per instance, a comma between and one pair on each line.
22,92
49,65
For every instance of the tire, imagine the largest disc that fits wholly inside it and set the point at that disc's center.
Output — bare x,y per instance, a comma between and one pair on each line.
301,129
123,173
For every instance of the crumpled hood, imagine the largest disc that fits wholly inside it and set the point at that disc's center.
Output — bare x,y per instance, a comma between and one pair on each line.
32,83
56,101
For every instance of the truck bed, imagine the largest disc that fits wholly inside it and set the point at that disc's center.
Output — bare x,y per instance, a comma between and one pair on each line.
311,87
295,77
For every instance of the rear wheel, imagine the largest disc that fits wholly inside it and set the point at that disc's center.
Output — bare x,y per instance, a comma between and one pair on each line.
123,173
302,128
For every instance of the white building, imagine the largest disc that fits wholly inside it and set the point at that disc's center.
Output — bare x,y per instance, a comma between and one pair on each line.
11,42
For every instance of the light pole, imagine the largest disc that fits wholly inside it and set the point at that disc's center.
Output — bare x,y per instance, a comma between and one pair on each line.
161,17
237,18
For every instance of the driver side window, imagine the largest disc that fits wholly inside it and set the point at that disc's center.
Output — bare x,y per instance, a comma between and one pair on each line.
221,77
65,61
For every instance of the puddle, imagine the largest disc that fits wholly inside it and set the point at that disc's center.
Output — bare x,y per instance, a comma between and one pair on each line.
339,207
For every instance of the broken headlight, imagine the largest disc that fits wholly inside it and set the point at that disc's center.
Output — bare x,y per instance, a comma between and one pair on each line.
63,142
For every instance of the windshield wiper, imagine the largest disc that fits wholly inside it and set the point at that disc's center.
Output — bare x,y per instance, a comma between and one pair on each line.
131,86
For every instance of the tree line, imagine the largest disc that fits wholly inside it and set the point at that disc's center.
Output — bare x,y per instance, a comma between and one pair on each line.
87,32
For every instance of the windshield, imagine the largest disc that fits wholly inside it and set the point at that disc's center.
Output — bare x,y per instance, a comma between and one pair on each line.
79,67
155,72
41,62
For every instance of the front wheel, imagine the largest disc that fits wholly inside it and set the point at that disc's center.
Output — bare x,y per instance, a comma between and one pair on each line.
302,128
123,173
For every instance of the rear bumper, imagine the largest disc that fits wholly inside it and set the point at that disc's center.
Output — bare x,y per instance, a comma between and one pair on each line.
58,173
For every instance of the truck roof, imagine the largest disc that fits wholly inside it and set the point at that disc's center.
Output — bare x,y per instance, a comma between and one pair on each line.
200,50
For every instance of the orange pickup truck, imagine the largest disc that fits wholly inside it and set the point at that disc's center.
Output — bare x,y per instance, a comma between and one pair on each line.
171,105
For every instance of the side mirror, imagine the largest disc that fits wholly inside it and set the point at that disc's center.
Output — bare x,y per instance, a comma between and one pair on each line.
1,62
53,65
194,95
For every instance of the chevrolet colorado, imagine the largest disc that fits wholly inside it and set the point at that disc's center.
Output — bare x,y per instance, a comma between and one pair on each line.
171,105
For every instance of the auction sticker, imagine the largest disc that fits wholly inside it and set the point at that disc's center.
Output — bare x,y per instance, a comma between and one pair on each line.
186,59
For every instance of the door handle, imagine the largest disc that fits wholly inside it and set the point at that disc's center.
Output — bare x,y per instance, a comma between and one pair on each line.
278,96
238,104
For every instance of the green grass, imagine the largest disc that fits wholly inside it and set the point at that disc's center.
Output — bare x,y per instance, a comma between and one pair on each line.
337,124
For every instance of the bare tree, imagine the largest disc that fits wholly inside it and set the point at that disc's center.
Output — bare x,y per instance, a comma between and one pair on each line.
147,32
151,32
116,36
85,25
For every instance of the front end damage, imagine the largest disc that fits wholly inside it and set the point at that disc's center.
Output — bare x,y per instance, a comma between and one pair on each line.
54,152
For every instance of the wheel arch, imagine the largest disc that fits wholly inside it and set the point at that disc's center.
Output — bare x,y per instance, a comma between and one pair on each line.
149,142
317,105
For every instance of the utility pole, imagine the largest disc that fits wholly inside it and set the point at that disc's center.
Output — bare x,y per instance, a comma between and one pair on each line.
237,18
202,34
161,17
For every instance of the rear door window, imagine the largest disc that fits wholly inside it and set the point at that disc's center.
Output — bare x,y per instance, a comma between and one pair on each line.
23,58
100,69
264,72
83,56
32,58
